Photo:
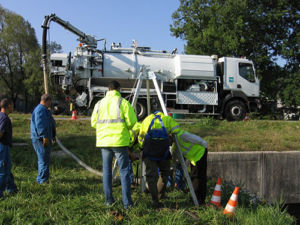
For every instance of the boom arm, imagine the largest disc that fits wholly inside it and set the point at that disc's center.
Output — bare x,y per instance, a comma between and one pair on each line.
84,38
89,40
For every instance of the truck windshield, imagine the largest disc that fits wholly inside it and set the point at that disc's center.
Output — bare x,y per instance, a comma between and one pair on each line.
246,71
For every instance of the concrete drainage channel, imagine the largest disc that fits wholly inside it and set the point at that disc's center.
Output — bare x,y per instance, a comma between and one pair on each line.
269,175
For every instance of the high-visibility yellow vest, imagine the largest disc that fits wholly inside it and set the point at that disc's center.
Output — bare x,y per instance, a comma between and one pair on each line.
192,150
172,127
113,117
134,132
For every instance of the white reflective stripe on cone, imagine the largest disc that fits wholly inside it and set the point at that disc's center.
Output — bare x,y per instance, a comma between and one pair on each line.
229,208
218,187
234,197
215,198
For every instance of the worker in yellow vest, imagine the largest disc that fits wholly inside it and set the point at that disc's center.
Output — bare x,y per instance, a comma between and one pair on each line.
154,142
193,148
113,117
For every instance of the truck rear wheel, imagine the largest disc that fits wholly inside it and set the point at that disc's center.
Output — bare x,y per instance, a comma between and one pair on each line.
141,110
235,111
89,111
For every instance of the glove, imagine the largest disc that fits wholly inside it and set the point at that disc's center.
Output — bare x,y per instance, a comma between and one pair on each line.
132,156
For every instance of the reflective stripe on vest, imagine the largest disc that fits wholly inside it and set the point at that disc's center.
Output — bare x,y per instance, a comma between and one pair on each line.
174,128
118,120
187,149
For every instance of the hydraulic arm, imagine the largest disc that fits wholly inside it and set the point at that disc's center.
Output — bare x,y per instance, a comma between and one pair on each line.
86,39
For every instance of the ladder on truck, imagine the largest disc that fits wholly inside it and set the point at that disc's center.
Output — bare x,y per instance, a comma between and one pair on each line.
146,74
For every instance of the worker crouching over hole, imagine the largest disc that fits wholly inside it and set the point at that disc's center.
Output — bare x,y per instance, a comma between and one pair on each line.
154,142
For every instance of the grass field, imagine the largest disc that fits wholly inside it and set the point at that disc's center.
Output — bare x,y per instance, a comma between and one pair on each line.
74,196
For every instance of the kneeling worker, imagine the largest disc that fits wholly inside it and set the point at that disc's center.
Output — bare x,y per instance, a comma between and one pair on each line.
154,142
194,148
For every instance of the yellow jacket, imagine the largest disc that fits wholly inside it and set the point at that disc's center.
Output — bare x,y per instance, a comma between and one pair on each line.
191,146
134,132
113,117
172,127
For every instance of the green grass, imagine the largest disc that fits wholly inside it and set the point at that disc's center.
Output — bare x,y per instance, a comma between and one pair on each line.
253,135
74,196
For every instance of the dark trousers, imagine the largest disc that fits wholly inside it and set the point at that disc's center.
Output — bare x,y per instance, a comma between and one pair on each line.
153,168
199,178
6,177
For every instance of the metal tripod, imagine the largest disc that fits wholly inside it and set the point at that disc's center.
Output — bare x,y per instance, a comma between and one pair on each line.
145,74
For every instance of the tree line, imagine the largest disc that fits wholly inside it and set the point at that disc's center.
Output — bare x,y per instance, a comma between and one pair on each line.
21,77
267,32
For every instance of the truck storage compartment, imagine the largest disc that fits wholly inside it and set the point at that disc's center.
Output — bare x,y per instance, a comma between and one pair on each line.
193,66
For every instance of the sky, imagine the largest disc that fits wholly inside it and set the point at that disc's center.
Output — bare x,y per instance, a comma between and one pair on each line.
147,21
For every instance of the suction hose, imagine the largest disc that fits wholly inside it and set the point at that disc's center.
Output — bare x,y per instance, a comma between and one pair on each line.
78,160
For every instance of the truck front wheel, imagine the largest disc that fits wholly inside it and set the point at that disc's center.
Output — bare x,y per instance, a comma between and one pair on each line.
235,111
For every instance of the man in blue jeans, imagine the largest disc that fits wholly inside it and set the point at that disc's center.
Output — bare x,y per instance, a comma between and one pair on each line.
42,129
113,117
6,177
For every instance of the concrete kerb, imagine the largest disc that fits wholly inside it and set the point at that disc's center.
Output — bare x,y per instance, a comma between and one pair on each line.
270,175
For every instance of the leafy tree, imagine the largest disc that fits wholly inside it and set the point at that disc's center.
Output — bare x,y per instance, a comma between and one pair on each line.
17,40
54,47
34,75
258,29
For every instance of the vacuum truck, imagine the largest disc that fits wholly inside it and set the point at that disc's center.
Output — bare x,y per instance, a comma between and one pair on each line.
190,84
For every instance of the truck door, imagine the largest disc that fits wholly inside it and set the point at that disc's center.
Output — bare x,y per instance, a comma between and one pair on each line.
239,75
246,79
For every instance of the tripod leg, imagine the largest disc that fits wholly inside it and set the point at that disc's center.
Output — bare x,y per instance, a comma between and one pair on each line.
185,171
137,92
143,176
178,152
114,171
148,98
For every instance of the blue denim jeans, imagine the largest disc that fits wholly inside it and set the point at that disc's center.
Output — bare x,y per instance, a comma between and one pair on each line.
6,177
131,176
179,177
43,155
121,154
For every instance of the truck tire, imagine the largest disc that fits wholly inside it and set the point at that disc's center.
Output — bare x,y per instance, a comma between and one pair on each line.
57,109
235,111
89,111
141,110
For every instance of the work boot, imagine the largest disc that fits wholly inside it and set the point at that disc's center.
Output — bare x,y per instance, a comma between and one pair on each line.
163,196
156,205
13,192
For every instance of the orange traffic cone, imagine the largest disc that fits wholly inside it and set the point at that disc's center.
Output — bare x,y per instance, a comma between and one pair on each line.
232,203
216,196
74,116
246,117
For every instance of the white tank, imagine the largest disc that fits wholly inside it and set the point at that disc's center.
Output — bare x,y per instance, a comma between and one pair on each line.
125,64
165,65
